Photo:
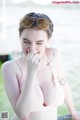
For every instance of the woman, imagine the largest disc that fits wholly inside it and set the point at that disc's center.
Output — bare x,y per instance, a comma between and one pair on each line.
35,83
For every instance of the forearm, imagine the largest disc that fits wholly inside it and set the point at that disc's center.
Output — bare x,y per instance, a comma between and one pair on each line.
24,104
69,99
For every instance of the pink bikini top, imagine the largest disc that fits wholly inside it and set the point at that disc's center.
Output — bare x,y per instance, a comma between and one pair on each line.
59,93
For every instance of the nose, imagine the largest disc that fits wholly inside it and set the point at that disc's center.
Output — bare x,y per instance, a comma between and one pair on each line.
32,47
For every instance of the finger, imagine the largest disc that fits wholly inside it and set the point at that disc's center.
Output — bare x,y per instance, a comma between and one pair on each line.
39,60
32,53
35,57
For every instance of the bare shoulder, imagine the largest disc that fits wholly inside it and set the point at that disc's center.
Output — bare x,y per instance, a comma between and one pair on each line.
7,64
52,52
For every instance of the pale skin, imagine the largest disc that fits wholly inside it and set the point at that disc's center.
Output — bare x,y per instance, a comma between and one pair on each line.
33,43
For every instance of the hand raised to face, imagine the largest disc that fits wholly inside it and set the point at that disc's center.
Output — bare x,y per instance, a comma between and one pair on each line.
34,61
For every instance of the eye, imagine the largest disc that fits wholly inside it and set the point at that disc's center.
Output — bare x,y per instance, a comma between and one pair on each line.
26,42
39,43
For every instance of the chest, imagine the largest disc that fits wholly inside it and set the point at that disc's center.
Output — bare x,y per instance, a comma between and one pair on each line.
44,91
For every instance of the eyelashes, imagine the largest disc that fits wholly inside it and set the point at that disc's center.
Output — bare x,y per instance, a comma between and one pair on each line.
30,43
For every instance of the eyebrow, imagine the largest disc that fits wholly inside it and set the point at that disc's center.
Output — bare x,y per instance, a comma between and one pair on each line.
30,41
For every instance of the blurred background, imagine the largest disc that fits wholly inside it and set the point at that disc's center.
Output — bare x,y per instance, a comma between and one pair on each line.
66,37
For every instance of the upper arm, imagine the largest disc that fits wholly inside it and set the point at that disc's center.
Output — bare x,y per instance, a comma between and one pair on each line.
60,68
10,83
57,64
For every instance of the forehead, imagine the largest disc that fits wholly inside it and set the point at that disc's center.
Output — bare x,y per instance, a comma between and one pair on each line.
34,34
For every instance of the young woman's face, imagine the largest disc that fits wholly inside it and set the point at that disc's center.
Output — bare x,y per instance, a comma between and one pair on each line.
34,39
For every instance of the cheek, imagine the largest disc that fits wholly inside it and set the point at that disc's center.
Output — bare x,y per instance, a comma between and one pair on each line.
24,47
42,49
